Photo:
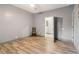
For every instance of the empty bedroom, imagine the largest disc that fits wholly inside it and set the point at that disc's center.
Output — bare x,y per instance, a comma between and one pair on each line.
38,29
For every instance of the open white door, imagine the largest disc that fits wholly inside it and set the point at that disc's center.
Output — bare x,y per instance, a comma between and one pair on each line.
49,27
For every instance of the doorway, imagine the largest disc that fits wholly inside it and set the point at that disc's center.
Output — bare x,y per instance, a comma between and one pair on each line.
58,27
49,27
53,27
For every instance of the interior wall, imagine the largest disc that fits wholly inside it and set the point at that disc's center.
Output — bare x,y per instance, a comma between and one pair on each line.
14,23
65,13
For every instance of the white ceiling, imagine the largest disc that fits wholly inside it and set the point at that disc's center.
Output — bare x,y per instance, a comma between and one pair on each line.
40,7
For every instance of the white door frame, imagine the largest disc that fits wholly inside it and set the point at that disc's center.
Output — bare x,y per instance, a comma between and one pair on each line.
76,27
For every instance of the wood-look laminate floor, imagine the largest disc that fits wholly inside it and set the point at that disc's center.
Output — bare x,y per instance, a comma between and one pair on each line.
36,45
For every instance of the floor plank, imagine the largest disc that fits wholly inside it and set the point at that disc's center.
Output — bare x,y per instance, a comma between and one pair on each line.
36,45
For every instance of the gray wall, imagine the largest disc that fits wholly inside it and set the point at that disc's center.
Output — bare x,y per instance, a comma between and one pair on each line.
65,13
14,23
